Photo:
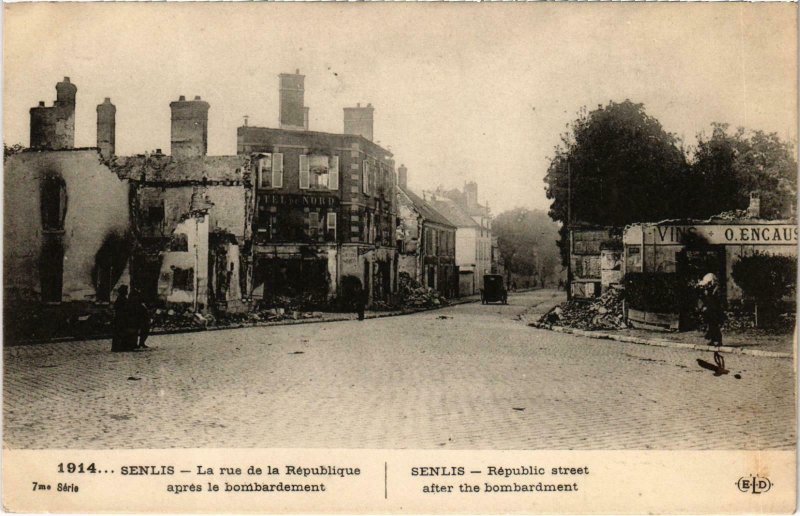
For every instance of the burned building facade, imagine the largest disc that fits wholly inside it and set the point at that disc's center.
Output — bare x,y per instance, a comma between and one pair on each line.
426,241
324,207
66,218
191,216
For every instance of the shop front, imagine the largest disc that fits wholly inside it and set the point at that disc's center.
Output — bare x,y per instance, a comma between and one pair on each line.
685,251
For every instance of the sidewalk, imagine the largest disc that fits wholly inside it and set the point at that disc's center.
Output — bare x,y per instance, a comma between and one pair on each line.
753,342
324,317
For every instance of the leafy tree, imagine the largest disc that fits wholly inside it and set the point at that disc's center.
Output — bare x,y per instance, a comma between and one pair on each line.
616,165
765,279
729,166
527,243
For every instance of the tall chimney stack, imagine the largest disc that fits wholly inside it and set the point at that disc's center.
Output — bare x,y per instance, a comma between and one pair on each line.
754,209
189,127
293,113
54,127
471,194
402,177
359,120
106,128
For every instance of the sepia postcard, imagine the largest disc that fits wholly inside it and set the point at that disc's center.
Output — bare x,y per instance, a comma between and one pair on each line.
400,258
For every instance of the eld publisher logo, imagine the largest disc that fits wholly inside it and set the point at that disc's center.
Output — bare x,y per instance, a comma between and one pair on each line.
754,485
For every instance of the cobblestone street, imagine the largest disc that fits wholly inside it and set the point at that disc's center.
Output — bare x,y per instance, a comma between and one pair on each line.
469,376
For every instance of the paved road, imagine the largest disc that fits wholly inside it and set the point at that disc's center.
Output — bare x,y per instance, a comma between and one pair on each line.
469,376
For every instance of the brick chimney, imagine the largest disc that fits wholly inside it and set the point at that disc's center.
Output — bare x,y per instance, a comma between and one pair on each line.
54,127
471,194
754,209
402,177
106,128
359,120
293,114
189,127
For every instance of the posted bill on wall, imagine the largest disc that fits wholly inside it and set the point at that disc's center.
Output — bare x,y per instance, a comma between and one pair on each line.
437,259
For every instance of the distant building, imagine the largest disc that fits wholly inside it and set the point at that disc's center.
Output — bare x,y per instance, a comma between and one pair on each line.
426,241
473,237
325,204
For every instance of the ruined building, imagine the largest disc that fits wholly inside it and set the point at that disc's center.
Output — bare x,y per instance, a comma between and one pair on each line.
426,241
66,217
191,217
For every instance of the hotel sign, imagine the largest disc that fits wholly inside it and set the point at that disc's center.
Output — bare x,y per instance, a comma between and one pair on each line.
731,234
299,200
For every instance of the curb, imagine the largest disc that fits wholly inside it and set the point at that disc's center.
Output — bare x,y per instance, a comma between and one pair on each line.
284,322
663,343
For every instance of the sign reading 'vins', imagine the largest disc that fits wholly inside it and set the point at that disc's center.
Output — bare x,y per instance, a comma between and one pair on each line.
750,234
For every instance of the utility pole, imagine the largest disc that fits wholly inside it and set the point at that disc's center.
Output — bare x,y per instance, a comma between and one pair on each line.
569,230
569,194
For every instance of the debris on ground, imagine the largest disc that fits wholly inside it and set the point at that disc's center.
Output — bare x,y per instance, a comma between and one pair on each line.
414,295
603,313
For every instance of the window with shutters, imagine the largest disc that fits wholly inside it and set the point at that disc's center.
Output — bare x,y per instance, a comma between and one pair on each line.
365,177
305,179
373,170
313,226
265,171
331,227
333,173
318,169
270,170
277,170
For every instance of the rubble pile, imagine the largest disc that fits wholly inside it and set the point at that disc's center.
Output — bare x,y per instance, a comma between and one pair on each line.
603,313
731,215
177,319
414,295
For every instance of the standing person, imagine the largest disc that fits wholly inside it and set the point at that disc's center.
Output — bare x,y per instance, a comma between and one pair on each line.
713,314
361,301
139,320
120,320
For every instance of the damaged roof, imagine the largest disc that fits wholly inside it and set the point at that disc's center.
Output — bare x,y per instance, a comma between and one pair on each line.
457,217
425,209
160,168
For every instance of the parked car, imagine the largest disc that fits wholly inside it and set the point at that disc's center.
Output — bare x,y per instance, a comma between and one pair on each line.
493,289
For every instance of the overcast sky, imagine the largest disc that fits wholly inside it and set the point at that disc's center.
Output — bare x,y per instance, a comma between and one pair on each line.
461,92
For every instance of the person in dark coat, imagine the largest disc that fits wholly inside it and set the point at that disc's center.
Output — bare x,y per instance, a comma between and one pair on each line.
712,310
361,302
139,320
119,338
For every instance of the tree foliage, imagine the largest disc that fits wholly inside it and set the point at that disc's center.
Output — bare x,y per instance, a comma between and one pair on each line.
765,278
527,242
616,165
729,166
